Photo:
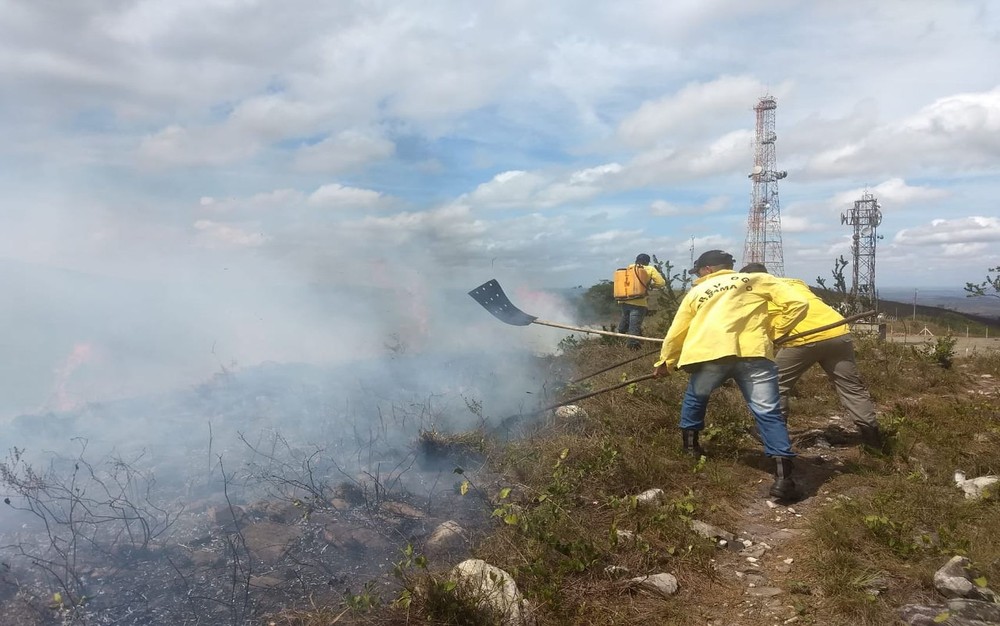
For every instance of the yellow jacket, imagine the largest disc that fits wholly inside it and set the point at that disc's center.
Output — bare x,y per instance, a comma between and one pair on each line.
655,280
820,314
726,314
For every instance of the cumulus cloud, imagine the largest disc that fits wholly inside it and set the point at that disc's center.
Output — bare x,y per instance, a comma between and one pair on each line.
179,146
894,193
265,201
613,235
706,242
957,131
213,234
537,190
337,196
965,230
662,208
964,250
727,154
514,188
694,109
343,151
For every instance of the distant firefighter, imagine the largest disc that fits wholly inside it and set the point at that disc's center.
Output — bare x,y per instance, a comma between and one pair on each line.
632,285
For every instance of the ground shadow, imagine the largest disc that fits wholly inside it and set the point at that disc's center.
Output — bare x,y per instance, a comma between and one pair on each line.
811,471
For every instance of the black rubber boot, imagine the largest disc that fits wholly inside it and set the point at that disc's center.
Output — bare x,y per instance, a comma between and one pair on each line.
871,436
691,443
783,487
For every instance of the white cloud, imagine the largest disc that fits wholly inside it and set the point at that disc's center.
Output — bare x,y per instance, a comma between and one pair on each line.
964,250
893,194
696,108
957,131
216,234
336,196
266,201
178,146
662,208
966,230
514,188
536,190
344,151
725,155
613,235
795,224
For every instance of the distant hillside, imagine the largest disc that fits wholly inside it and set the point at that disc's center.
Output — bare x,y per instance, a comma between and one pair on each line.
945,298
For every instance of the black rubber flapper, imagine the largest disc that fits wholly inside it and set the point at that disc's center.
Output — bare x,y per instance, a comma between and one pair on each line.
494,300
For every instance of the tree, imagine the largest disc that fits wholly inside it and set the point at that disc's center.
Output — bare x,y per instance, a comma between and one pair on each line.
598,302
837,296
839,281
989,288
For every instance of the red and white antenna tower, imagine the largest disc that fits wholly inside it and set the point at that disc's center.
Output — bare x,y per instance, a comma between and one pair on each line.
763,244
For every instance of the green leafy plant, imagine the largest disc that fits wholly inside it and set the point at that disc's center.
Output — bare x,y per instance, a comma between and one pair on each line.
940,351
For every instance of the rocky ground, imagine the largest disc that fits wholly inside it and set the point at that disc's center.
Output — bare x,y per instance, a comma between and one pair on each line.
760,565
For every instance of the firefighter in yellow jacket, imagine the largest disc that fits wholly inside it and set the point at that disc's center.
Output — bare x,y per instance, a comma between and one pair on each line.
721,331
833,349
635,305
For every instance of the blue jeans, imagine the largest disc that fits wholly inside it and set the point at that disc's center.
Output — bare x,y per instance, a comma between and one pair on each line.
631,322
757,379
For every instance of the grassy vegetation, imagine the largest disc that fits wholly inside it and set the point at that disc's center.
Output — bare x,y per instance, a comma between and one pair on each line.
566,520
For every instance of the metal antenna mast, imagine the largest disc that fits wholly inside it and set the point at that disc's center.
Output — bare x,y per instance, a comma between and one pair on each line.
865,217
763,244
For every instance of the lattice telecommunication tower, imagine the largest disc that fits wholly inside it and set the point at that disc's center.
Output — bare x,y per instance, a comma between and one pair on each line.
763,244
865,217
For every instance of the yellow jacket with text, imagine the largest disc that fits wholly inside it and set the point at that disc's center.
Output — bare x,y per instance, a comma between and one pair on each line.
820,314
727,314
655,280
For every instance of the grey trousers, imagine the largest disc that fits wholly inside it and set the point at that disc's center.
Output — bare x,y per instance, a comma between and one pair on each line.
836,357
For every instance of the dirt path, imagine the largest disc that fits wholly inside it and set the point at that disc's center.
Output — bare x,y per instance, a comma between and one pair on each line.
762,577
760,573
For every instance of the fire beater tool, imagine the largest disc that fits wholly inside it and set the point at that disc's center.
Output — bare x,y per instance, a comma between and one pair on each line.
491,296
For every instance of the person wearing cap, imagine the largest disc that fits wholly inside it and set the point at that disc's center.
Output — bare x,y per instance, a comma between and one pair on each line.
634,310
721,331
833,349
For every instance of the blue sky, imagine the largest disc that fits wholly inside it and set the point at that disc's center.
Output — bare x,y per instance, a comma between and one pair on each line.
222,151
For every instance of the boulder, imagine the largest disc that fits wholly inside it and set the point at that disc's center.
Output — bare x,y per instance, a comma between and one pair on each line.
447,538
493,589
957,580
664,585
650,497
270,541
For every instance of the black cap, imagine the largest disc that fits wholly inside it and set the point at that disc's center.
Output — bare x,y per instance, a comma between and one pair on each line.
712,257
752,268
642,259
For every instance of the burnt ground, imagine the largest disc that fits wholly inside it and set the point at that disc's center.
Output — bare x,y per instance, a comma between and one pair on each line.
225,563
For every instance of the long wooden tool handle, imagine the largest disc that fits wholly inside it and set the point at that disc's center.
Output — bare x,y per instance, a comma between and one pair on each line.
611,367
846,320
597,332
624,383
